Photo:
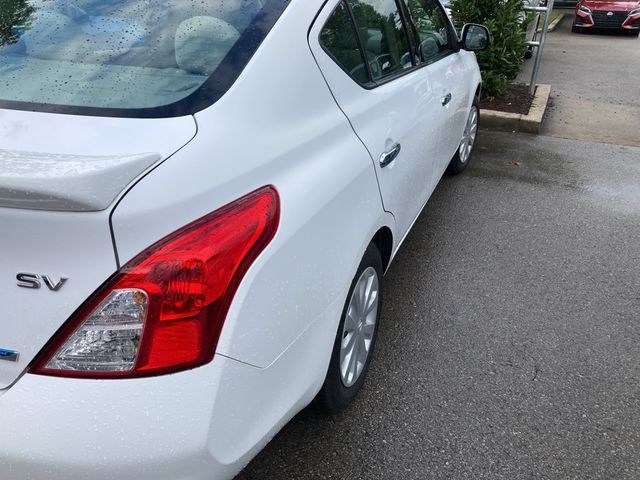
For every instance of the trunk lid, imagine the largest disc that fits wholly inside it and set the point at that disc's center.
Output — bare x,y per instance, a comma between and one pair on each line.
59,178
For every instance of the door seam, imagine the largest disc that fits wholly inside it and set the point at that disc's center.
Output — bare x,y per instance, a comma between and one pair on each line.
375,170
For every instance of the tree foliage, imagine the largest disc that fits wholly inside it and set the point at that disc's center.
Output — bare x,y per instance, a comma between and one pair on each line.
502,61
14,16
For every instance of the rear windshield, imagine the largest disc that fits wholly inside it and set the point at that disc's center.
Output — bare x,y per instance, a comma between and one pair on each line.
145,58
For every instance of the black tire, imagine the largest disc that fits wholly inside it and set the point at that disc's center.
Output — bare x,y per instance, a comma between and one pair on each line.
334,396
457,165
634,33
575,29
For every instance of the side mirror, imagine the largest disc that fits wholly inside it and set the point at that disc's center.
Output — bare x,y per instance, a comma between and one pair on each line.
475,38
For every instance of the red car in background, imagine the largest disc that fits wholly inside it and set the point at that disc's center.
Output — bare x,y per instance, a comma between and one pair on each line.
621,15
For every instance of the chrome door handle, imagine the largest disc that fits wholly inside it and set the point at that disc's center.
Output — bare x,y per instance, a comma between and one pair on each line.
446,99
387,157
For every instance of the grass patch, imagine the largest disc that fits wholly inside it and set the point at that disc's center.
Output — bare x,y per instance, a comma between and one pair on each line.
554,14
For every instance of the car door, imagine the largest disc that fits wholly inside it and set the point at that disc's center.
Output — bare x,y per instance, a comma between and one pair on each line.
368,58
448,72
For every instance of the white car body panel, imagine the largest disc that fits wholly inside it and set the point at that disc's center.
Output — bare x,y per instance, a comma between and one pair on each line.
287,122
452,75
407,111
42,181
174,427
202,424
58,244
386,116
322,222
49,164
63,244
93,136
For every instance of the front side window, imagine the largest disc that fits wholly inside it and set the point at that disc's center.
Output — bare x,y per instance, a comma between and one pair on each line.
432,30
383,36
122,54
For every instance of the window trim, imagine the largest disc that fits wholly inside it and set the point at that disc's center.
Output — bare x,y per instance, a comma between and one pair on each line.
212,90
354,26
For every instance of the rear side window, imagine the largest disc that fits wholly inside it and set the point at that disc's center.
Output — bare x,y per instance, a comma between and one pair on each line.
383,36
339,39
431,23
379,49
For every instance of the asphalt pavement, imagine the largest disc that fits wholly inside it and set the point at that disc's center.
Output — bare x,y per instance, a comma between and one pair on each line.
510,340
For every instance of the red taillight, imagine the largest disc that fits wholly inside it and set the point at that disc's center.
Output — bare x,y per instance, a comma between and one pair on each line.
163,312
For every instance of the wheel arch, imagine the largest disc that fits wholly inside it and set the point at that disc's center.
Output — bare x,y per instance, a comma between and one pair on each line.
383,240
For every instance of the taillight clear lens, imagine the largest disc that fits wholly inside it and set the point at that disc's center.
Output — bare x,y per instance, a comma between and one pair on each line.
164,310
108,340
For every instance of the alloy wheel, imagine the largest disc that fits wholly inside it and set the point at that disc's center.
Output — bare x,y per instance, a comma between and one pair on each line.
359,327
469,136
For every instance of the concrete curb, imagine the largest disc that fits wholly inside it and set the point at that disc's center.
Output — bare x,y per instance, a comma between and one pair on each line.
515,122
554,24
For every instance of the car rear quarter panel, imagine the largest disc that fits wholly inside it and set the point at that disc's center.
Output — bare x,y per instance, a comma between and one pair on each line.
71,244
277,125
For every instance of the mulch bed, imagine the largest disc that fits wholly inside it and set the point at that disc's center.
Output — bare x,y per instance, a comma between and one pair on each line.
517,100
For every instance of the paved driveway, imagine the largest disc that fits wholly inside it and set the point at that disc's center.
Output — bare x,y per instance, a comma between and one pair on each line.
510,342
595,82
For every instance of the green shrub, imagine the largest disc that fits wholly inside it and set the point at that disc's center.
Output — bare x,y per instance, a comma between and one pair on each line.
502,61
13,13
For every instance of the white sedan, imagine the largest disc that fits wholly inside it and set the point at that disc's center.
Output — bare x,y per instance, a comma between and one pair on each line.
198,203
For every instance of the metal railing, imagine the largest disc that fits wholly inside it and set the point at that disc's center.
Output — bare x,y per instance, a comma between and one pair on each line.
538,45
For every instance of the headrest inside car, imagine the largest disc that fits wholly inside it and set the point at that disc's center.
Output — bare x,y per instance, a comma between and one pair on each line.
202,43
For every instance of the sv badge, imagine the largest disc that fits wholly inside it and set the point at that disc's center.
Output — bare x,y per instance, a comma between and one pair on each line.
32,280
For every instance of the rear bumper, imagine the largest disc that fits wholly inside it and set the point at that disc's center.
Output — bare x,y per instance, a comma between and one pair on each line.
200,424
